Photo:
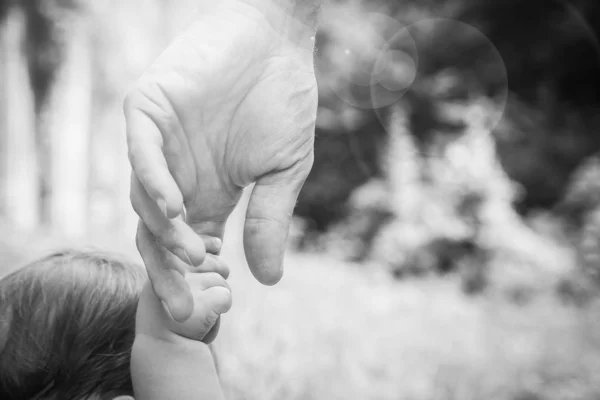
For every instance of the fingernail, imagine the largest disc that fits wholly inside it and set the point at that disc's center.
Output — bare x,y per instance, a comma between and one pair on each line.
166,307
184,213
162,206
187,256
218,244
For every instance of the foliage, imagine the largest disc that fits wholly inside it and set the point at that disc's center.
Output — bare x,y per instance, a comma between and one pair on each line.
44,42
539,109
552,74
580,211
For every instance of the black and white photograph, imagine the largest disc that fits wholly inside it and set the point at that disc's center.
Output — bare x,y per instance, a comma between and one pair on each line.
299,200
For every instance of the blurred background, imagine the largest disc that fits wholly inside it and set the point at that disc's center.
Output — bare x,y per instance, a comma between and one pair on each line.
446,243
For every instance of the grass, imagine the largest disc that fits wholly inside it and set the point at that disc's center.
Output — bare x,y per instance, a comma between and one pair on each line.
334,331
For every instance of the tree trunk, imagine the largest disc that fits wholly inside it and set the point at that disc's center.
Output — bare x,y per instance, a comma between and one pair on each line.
20,187
69,115
4,48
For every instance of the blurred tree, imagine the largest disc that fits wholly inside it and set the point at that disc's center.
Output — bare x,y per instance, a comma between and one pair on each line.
580,209
345,158
4,7
552,54
44,48
352,136
19,174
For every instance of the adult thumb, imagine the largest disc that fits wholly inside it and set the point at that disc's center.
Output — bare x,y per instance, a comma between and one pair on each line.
267,225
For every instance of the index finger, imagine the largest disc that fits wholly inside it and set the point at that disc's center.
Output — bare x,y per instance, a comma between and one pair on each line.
145,150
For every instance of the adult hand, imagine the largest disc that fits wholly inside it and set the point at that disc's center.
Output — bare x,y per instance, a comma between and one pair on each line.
231,102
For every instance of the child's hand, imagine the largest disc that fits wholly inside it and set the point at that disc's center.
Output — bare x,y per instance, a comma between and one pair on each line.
212,298
209,290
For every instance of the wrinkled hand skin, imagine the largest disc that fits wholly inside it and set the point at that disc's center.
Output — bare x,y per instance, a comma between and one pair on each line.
231,102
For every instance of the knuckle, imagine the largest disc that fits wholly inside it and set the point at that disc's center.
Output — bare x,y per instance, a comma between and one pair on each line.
151,98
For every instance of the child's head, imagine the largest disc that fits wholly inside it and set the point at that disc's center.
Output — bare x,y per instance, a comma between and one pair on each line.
67,324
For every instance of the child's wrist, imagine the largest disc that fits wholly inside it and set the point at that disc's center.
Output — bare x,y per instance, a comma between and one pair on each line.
178,369
170,340
177,347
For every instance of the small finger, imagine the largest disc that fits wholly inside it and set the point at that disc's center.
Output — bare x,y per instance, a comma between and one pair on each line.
213,244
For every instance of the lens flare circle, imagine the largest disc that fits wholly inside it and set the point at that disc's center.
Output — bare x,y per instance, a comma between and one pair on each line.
371,72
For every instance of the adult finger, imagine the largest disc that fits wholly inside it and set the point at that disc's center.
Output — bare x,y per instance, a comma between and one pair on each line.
174,234
167,275
145,145
268,219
